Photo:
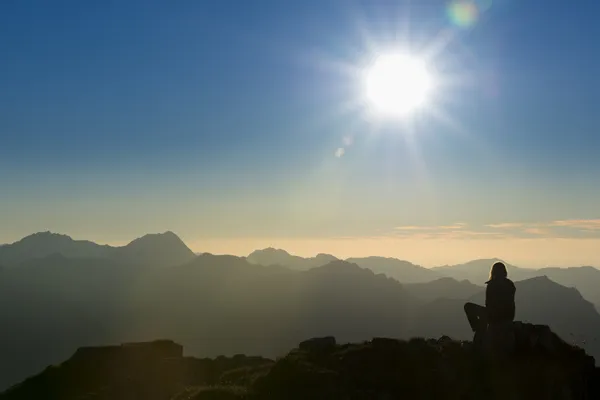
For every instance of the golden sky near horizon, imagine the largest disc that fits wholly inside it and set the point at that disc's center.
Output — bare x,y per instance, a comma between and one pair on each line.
534,253
561,243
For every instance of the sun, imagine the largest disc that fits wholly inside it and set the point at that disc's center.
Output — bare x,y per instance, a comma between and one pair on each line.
398,84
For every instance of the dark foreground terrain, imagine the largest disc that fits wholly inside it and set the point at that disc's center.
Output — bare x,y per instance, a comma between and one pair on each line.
541,366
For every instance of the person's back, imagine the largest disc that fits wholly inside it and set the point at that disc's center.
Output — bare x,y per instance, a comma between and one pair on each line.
500,300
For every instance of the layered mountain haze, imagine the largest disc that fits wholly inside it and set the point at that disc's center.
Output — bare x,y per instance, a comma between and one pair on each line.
539,300
443,288
403,271
280,257
478,271
79,294
586,279
400,270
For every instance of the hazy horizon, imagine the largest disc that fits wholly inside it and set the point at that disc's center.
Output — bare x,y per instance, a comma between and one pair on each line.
249,125
416,251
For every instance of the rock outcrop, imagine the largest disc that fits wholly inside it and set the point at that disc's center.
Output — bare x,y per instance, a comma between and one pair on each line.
318,345
434,369
538,365
149,371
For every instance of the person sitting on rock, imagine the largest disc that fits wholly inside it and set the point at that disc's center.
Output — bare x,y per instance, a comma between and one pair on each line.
499,301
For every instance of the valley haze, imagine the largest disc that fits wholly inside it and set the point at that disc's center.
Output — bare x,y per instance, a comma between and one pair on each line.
58,294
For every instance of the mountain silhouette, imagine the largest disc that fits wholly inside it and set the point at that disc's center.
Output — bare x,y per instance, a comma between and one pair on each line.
539,300
443,288
401,270
585,279
224,305
150,250
271,256
478,271
43,244
160,249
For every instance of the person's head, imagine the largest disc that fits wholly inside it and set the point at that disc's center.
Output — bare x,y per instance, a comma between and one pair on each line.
498,271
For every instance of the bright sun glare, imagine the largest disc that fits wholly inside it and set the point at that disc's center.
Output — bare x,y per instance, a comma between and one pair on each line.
397,85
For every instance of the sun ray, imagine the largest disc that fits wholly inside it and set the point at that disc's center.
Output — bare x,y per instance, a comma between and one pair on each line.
442,116
403,18
440,43
367,40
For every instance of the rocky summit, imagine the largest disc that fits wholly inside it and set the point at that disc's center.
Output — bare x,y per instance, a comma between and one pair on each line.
535,364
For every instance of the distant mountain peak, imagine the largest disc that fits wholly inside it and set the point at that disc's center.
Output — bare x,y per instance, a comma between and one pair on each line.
156,248
273,256
325,255
446,279
342,266
542,281
540,278
168,235
44,235
153,249
272,250
400,270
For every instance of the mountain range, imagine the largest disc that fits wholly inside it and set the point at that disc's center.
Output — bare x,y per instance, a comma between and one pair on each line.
163,249
56,299
586,278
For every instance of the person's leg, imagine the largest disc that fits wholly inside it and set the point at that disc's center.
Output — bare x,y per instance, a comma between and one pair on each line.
476,315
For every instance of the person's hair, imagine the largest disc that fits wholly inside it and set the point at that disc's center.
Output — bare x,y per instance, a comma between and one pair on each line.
498,271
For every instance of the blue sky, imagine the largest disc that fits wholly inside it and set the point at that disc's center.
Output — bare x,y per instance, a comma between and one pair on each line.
220,120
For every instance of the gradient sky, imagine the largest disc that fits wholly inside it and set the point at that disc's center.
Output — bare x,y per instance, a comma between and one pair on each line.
220,120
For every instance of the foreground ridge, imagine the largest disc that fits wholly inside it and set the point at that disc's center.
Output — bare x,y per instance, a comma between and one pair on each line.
542,366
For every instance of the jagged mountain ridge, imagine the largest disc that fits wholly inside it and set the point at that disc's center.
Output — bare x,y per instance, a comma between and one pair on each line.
167,249
443,288
163,249
539,300
478,271
271,256
216,305
400,270
586,279
42,244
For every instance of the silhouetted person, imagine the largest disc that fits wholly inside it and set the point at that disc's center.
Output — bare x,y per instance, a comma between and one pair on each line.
499,301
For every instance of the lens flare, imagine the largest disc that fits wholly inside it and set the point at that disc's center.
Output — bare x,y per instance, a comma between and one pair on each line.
465,13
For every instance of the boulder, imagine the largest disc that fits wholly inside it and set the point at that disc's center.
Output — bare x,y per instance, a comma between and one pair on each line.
318,345
522,339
